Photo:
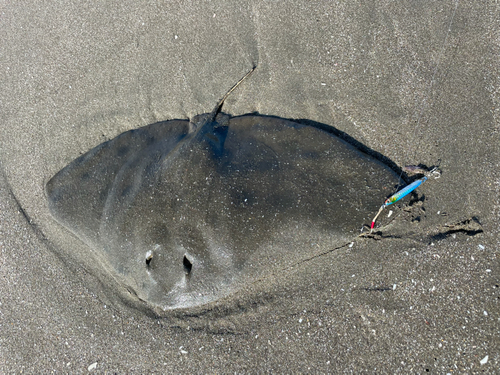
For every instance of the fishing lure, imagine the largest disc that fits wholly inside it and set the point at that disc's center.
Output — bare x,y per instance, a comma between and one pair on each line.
417,169
398,196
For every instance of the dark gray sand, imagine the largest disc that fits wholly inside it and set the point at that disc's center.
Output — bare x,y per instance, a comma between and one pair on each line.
416,82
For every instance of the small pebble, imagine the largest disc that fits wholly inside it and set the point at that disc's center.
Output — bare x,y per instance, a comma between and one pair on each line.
92,366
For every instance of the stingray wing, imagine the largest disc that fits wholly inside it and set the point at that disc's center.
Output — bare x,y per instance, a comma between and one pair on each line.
78,193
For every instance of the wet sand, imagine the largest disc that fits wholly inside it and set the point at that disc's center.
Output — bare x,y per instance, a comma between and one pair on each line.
417,83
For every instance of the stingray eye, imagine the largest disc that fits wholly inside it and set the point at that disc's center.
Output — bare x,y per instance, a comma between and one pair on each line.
149,257
187,264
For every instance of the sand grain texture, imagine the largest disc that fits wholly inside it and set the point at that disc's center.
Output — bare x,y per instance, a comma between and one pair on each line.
417,82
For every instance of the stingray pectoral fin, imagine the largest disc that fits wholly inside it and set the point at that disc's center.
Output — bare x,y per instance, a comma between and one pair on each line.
77,194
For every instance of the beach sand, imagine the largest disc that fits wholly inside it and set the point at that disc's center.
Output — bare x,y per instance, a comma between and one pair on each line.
417,82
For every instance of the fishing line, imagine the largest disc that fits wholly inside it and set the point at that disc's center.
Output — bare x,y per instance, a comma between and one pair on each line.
436,174
433,80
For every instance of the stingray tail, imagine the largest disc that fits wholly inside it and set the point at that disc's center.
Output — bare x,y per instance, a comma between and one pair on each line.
218,107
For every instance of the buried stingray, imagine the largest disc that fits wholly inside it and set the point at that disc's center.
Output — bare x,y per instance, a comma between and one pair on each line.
185,212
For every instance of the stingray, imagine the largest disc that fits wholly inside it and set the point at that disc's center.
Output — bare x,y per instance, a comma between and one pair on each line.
184,212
